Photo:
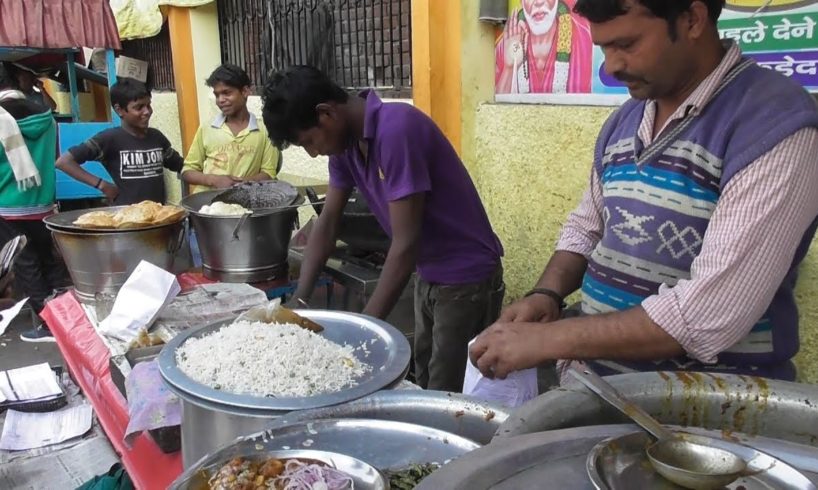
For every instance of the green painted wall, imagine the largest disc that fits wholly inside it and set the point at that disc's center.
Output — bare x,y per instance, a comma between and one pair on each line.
531,164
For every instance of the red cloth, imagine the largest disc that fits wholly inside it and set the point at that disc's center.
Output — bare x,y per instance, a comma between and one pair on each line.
189,280
58,24
87,358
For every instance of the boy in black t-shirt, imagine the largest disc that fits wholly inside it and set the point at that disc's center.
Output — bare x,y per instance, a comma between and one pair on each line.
133,153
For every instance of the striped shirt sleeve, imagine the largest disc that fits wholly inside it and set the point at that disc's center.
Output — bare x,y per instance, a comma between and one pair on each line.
584,226
747,250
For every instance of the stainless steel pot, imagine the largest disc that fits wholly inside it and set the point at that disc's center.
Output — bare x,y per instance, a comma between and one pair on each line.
250,248
101,261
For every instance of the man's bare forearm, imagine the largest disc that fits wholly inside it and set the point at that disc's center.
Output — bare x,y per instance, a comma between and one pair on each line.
564,273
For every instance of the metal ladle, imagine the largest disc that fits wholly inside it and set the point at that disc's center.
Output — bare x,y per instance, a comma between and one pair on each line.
685,463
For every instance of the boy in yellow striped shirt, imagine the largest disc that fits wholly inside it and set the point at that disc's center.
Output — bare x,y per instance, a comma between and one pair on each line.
234,147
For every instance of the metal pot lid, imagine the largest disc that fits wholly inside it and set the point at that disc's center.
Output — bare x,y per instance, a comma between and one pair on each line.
388,353
560,456
383,444
620,462
65,222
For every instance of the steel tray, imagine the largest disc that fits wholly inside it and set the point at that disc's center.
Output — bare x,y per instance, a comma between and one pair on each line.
65,222
388,354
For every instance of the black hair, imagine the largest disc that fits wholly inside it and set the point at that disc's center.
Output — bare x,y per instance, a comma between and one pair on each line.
126,91
599,11
7,80
289,100
230,75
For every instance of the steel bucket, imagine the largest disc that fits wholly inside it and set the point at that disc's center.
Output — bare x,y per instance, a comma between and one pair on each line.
101,262
242,249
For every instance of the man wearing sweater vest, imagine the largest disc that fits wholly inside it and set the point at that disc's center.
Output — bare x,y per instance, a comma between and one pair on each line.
702,202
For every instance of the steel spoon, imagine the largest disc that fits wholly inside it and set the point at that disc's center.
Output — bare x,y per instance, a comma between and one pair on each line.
685,463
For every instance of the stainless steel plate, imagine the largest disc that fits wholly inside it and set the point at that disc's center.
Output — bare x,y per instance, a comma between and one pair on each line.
388,354
65,221
381,443
364,476
620,463
476,420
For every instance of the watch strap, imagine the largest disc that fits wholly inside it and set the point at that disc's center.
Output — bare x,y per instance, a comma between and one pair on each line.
550,293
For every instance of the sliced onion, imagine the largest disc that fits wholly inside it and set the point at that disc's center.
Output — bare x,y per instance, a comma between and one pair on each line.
299,475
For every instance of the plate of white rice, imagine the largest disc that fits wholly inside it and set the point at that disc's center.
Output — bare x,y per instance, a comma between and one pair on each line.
283,366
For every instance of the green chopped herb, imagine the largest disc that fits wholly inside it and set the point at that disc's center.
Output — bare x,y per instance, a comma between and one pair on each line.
408,478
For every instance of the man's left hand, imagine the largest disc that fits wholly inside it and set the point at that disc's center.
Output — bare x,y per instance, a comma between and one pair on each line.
507,347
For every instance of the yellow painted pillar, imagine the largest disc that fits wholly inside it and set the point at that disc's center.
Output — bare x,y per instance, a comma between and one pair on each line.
436,63
181,45
194,41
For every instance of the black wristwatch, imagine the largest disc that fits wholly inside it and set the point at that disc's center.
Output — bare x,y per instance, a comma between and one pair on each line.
550,293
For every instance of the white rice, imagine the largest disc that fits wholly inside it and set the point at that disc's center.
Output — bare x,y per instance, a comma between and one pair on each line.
261,359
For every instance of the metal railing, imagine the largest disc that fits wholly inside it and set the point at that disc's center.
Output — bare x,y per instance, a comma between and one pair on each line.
361,43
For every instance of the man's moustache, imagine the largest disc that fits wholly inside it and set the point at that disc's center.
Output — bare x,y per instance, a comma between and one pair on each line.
625,78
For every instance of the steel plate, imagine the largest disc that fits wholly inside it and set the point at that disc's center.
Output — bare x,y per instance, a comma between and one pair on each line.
65,222
364,476
383,444
526,461
620,463
388,354
459,414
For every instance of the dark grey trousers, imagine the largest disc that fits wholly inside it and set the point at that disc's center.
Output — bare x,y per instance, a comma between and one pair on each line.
37,270
447,317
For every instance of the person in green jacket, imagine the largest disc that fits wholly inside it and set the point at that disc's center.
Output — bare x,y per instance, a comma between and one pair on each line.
28,135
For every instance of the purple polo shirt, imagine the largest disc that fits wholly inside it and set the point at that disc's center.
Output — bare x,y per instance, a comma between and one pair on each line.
409,154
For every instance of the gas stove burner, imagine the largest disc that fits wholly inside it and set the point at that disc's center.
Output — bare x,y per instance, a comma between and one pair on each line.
362,258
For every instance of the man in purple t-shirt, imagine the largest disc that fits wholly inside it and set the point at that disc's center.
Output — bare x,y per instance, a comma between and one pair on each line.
421,194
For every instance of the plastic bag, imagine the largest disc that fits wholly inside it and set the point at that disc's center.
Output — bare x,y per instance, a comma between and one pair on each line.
151,404
518,387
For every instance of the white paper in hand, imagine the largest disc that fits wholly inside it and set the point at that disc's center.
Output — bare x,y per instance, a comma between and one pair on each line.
142,297
516,389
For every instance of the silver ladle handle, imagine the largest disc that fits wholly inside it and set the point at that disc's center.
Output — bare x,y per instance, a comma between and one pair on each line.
238,225
608,393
